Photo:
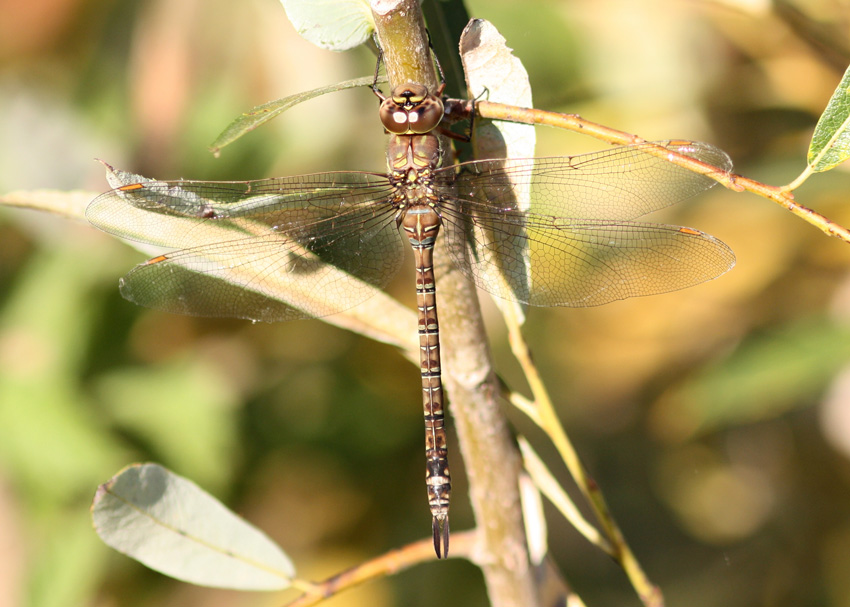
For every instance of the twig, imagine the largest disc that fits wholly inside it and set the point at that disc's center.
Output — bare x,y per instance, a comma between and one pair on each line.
781,195
386,564
490,455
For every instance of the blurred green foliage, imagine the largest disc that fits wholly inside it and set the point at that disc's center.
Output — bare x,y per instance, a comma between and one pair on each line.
714,418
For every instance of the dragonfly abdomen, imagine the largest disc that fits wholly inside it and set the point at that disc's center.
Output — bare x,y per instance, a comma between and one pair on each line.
421,224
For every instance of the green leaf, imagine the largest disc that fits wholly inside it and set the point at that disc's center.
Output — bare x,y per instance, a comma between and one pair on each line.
172,526
765,377
831,141
336,25
254,117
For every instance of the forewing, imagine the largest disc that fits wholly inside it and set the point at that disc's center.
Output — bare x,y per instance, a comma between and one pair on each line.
177,213
620,183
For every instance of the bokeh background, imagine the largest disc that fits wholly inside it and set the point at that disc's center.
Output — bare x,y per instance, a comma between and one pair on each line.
716,419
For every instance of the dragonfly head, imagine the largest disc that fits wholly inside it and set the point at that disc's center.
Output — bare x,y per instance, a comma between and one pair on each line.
411,110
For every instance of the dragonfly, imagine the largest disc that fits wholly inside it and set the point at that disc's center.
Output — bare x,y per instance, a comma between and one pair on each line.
550,231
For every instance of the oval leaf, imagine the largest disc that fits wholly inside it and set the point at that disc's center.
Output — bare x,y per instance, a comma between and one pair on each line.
336,25
260,114
494,72
171,525
831,141
71,205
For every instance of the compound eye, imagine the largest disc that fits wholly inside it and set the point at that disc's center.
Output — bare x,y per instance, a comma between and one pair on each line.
426,116
394,117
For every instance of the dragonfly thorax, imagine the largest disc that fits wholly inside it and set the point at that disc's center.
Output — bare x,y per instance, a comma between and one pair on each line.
411,109
414,152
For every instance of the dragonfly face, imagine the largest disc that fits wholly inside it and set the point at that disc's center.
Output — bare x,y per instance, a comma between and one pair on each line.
411,110
555,231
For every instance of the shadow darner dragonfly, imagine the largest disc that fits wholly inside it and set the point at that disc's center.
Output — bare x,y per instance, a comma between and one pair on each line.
555,231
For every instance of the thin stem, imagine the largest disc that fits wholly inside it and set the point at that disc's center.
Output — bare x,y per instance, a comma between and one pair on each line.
489,453
781,195
546,417
801,178
392,562
550,487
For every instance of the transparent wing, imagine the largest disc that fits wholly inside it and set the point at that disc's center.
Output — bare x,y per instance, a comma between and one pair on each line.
155,212
586,262
571,243
275,249
623,182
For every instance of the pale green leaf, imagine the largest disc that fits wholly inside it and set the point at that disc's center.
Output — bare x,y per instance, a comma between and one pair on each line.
261,114
494,73
830,144
67,204
169,524
336,25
